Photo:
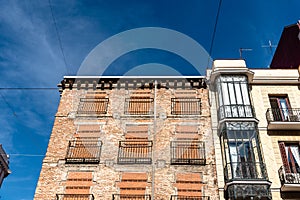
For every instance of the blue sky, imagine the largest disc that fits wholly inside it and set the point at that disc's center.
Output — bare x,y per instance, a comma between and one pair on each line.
30,56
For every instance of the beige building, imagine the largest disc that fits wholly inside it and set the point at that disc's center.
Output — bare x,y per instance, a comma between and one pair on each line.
130,138
256,130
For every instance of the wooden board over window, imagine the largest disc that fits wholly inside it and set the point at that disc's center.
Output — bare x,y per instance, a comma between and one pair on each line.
188,184
133,184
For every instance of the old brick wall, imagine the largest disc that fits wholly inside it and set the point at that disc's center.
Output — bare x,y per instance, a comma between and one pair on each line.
107,174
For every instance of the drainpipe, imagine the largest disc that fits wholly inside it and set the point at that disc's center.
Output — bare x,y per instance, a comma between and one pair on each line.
153,143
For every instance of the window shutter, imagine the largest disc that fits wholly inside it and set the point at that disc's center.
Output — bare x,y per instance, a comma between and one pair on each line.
284,157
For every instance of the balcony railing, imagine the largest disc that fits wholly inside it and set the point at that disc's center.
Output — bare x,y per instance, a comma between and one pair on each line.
288,178
131,197
185,106
84,150
177,197
138,106
187,153
74,197
245,170
283,115
235,111
135,152
92,106
247,191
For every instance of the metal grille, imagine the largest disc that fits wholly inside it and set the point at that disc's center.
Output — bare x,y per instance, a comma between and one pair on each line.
93,106
178,197
235,111
138,106
288,178
135,152
188,153
75,197
131,197
283,115
246,170
185,106
84,150
248,191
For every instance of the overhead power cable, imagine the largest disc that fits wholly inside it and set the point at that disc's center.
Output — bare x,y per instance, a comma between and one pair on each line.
214,31
58,37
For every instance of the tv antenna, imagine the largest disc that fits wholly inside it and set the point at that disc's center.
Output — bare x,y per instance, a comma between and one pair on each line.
270,46
243,49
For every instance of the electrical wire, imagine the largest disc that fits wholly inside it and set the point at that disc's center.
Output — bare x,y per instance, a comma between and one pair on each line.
214,32
58,37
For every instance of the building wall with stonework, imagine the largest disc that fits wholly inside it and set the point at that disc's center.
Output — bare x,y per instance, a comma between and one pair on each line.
133,138
272,90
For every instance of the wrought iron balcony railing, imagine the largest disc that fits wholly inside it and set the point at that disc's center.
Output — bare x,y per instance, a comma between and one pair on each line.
177,197
248,191
188,153
138,106
131,197
185,106
74,197
245,170
288,178
92,106
135,152
84,150
283,115
235,111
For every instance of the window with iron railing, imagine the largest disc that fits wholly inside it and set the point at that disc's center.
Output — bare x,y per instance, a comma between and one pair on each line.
90,106
84,150
189,152
185,106
135,152
138,106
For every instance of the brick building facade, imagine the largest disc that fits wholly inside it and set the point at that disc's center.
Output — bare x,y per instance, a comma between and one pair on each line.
130,138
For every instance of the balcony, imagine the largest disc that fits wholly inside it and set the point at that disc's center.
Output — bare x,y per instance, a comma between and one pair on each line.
236,171
135,152
187,153
84,150
289,181
177,197
74,197
138,106
92,106
283,119
131,197
185,106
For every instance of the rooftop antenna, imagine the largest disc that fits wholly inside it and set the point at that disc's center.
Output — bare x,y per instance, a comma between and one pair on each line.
270,45
243,49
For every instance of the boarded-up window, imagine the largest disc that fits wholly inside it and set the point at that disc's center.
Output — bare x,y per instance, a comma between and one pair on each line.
84,150
133,186
186,106
77,187
93,103
136,148
188,185
139,103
